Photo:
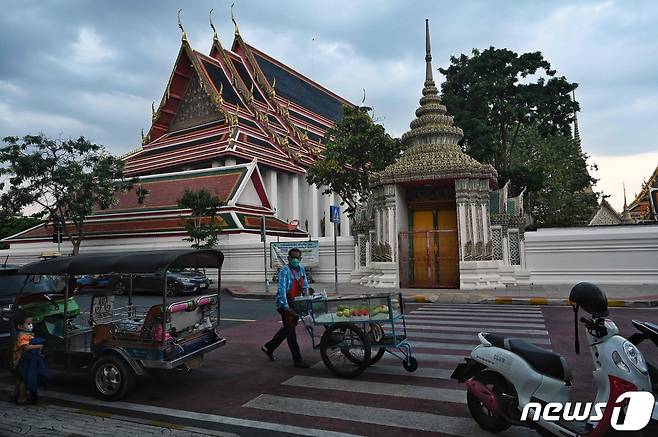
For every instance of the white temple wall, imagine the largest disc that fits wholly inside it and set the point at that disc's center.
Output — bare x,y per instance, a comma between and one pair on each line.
243,254
600,254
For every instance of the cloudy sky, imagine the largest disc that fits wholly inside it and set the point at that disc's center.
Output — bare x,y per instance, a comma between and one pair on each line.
74,67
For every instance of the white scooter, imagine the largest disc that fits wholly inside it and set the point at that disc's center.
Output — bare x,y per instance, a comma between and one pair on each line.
513,382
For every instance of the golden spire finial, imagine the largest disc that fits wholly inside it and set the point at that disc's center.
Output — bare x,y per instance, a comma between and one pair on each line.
214,31
235,24
184,35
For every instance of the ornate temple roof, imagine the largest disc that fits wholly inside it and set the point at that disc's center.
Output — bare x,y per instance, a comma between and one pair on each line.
432,150
240,103
640,207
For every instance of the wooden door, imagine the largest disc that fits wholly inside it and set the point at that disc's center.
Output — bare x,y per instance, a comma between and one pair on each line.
424,271
448,249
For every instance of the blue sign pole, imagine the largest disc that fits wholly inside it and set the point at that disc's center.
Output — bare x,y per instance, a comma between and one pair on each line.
334,214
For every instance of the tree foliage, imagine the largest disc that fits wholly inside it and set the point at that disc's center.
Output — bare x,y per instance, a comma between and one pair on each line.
356,148
555,172
516,114
204,226
64,179
13,224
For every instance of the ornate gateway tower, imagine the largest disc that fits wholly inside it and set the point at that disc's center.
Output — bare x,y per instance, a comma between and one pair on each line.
430,211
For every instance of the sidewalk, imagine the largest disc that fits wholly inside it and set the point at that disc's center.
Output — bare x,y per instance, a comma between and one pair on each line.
641,296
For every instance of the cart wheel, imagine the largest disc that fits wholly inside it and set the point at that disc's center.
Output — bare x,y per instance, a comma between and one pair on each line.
111,378
375,334
410,365
345,349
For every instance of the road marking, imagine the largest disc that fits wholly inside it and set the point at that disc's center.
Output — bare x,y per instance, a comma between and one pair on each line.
411,335
224,319
449,358
456,317
478,312
248,298
129,407
479,328
461,426
379,388
434,345
493,307
520,325
421,372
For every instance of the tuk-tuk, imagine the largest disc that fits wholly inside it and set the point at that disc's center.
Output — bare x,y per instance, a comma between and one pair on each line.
115,344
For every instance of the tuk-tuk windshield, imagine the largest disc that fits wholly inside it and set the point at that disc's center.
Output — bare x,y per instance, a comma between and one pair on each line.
13,283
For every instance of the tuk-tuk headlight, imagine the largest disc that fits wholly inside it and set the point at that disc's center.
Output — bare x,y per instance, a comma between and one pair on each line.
635,356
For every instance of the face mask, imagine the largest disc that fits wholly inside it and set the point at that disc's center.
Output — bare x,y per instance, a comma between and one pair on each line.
294,262
28,327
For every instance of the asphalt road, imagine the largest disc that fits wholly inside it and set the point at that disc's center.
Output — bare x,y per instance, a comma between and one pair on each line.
238,390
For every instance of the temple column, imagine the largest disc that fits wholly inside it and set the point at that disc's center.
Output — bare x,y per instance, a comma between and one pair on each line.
344,219
314,224
230,161
328,226
272,185
474,221
391,230
215,163
293,181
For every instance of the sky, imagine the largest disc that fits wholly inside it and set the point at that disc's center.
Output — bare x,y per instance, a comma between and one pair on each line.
92,68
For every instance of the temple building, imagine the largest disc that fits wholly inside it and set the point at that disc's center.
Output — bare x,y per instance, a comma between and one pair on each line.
244,126
432,220
640,208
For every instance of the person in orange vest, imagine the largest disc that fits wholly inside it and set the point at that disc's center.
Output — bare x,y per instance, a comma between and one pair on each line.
292,283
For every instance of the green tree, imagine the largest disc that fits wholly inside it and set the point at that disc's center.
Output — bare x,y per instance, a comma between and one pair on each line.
559,194
496,92
204,226
13,224
356,147
64,179
516,114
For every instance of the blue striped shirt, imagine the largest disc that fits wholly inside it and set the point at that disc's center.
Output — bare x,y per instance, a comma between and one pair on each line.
285,284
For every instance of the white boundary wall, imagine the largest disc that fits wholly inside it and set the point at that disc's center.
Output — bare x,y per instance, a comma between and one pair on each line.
625,254
243,254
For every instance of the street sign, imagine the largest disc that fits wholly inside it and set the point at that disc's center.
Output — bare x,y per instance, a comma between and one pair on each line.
334,213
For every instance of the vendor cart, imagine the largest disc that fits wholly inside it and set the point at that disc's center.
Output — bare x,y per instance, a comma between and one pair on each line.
353,333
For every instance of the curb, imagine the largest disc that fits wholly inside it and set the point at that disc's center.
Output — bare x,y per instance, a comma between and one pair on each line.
613,303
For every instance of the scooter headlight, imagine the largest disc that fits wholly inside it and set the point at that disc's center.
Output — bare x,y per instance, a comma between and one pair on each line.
635,356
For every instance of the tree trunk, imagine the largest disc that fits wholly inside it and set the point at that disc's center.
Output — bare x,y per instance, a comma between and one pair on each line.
76,246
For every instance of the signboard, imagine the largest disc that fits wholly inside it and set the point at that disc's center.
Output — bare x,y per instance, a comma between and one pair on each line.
310,252
102,307
334,212
653,200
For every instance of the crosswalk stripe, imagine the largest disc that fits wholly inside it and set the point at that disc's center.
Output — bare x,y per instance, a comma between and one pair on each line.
485,306
379,388
421,372
477,312
496,330
435,345
497,318
411,335
461,426
477,323
450,358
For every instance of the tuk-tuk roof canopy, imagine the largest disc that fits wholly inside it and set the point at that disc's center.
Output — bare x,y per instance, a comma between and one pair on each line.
126,262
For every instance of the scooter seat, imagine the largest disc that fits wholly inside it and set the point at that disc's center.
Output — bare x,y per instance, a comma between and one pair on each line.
543,361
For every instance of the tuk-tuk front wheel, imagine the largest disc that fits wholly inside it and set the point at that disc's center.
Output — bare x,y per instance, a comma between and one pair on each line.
111,378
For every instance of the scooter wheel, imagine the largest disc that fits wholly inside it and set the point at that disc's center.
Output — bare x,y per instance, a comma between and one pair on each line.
487,419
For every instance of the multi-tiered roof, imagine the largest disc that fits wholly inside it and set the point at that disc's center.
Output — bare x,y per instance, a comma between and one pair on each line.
240,103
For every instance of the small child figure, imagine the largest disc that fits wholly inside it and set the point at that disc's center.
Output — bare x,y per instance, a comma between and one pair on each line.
23,344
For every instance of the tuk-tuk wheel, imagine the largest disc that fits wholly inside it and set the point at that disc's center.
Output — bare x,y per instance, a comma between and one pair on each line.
111,378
